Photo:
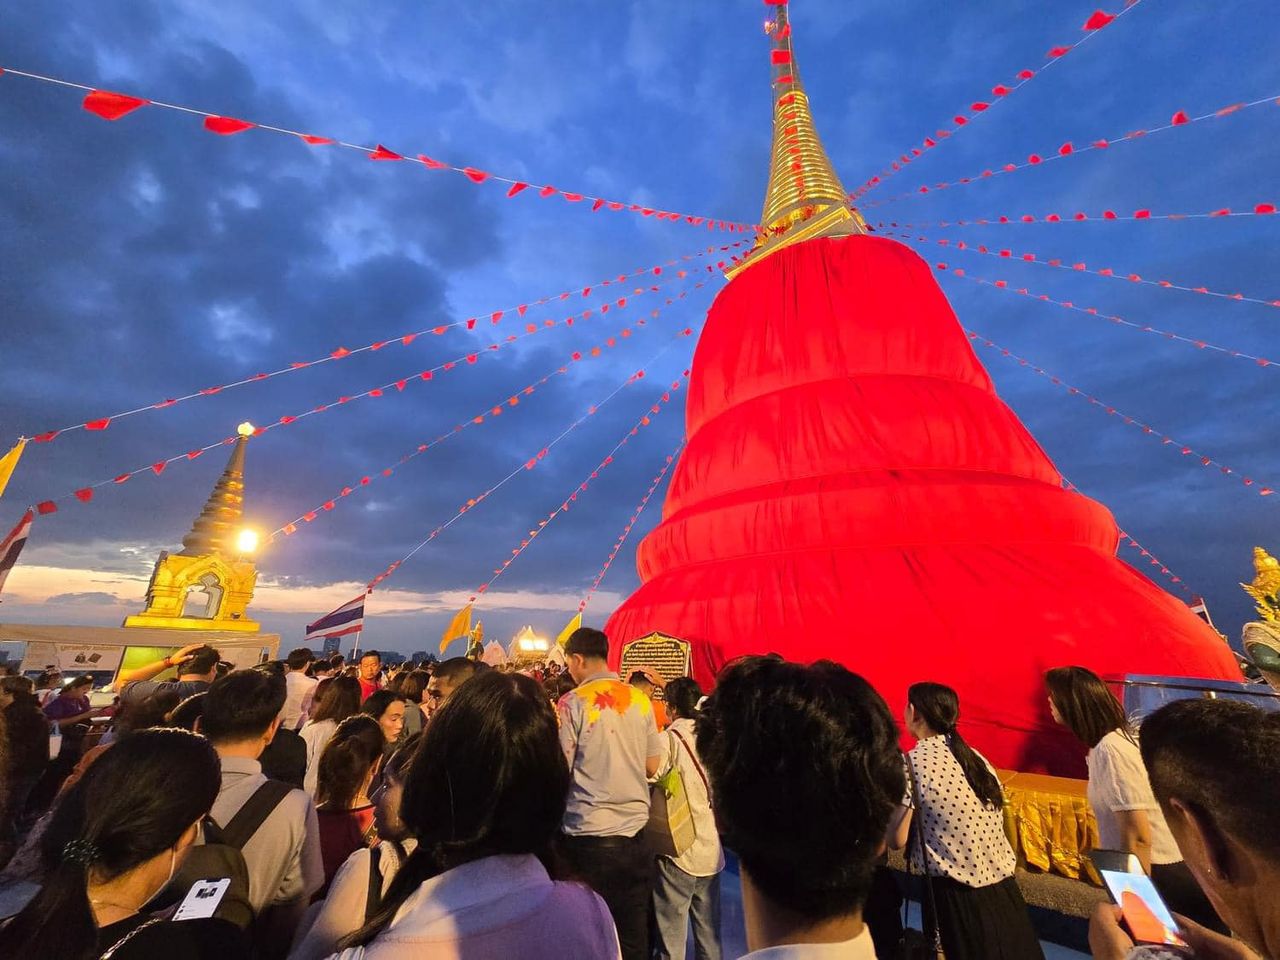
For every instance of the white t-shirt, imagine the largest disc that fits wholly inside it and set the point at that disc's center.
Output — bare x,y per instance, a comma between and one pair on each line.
963,839
297,686
1118,781
705,857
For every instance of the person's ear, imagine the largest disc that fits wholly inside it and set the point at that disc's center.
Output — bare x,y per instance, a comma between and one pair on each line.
195,726
189,836
1212,847
271,730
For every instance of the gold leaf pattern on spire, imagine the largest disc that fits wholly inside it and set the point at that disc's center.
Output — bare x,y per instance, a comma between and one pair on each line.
804,198
214,531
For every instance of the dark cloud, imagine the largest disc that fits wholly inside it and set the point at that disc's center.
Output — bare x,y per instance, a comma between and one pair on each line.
145,258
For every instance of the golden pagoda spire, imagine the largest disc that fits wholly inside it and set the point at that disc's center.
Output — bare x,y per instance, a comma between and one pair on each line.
805,198
215,530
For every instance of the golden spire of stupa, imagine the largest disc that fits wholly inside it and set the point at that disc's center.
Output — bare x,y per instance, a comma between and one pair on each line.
805,198
216,529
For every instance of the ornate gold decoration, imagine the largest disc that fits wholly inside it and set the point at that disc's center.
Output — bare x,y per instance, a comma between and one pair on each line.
665,655
207,586
1265,588
805,198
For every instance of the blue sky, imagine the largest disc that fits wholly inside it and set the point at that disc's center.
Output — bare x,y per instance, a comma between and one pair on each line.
144,258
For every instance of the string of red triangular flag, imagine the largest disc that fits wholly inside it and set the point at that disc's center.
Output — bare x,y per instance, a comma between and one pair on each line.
1113,318
1079,267
485,415
86,494
1097,21
1111,411
113,106
513,312
1070,149
644,421
630,525
1263,209
529,463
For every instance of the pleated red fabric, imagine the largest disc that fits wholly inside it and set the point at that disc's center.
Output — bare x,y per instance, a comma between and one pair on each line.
852,488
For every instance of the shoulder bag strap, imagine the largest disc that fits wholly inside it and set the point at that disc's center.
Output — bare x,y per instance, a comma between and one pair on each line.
918,822
696,765
254,813
373,899
111,951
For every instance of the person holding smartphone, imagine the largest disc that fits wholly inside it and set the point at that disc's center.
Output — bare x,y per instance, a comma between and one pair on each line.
114,841
1215,770
1119,792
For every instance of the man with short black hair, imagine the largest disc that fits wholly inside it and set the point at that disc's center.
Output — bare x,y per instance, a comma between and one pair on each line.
197,665
370,674
448,677
241,715
613,746
1214,767
299,687
805,769
649,683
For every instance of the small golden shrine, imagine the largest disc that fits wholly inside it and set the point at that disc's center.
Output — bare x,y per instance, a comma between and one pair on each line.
1262,638
208,584
805,198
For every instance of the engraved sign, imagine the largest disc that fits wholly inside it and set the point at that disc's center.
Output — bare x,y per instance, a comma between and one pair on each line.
665,655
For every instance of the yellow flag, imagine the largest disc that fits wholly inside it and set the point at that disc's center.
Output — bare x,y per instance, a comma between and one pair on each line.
8,462
569,627
459,626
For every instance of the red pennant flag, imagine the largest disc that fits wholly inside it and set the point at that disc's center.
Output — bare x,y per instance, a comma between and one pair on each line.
47,507
98,424
382,153
158,467
226,126
1057,52
1179,119
597,205
84,495
474,175
111,106
433,164
1097,20
314,140
1265,208
516,188
777,57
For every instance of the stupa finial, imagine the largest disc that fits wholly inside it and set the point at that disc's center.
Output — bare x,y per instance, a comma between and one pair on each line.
804,198
216,528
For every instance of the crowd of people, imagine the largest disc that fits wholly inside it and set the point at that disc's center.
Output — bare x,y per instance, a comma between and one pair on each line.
312,808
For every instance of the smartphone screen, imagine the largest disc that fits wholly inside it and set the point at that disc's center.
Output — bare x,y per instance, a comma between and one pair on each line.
1146,916
202,899
1115,860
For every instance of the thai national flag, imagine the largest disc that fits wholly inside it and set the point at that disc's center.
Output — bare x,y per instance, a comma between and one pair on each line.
12,545
348,618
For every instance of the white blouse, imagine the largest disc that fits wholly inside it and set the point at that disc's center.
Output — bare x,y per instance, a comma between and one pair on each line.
963,839
1118,782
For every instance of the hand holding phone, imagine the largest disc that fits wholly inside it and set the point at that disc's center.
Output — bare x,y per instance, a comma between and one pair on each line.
1145,914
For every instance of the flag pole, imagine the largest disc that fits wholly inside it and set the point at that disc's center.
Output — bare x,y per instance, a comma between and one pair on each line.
356,649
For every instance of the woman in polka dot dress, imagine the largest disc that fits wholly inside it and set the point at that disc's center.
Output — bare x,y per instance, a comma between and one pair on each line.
980,910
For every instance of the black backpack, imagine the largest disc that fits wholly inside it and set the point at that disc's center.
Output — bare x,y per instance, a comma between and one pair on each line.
220,856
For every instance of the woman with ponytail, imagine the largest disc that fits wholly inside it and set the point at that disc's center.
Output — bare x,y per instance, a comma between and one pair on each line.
343,808
114,840
952,823
484,796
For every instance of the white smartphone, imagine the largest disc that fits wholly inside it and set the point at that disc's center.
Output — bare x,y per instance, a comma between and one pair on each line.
202,899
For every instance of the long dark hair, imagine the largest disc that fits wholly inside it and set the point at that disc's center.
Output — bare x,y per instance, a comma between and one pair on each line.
347,759
939,707
375,705
338,700
488,778
121,813
682,694
1086,704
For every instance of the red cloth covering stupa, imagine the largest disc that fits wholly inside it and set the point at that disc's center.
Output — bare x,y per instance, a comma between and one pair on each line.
852,488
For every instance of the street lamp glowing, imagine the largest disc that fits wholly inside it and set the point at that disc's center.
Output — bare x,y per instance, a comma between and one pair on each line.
246,429
247,541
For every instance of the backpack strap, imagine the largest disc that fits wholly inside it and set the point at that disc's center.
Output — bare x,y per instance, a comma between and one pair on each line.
373,899
254,813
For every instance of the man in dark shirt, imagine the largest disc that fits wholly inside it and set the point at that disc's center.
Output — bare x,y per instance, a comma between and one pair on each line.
197,666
